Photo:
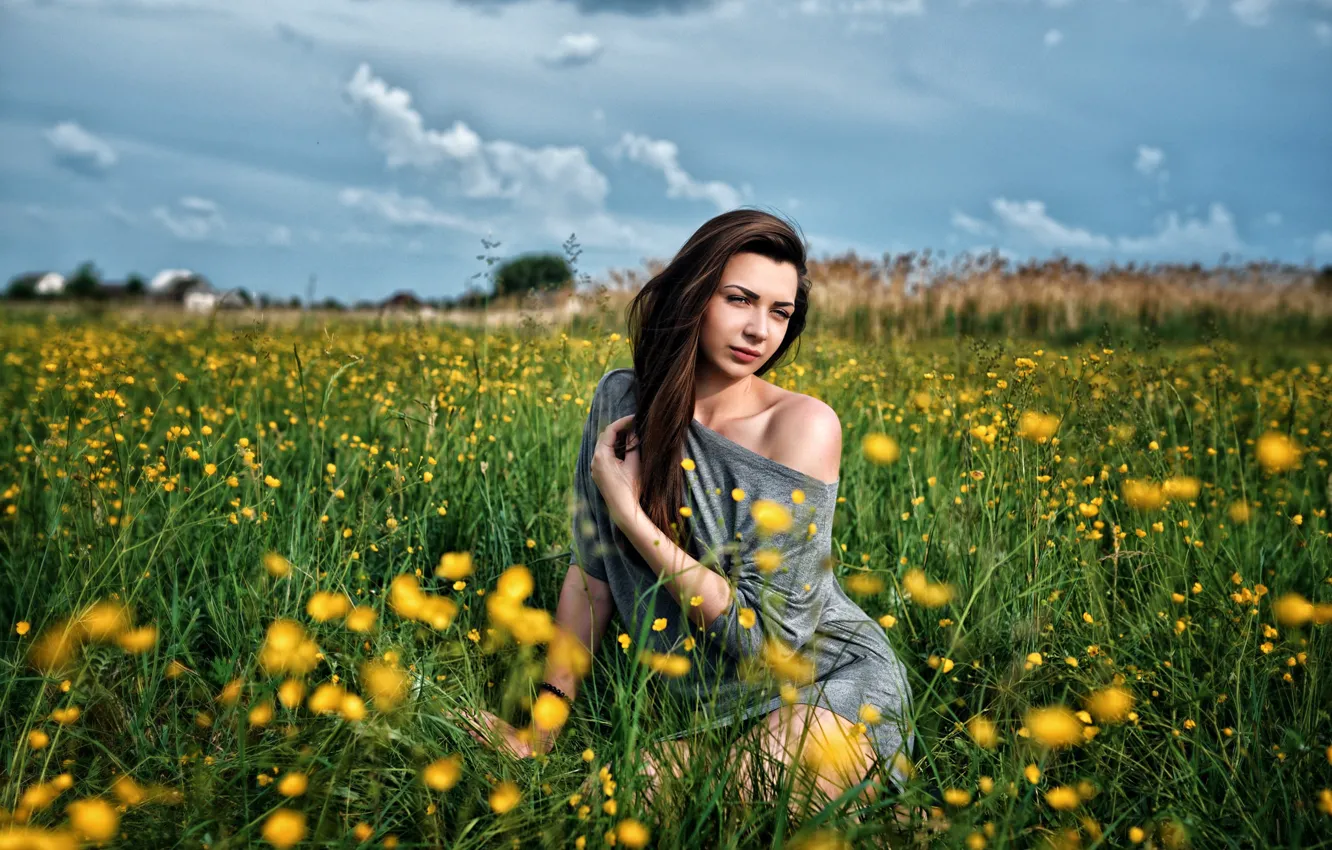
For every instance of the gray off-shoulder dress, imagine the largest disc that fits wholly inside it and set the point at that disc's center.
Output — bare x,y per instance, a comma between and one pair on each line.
800,602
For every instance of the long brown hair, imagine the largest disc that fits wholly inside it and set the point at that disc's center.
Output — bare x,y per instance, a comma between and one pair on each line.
665,322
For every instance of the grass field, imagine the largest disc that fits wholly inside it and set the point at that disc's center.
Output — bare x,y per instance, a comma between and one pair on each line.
1107,570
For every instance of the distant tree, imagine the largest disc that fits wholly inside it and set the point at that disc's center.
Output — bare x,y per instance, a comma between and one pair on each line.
23,287
532,273
331,303
85,283
1323,282
294,302
135,286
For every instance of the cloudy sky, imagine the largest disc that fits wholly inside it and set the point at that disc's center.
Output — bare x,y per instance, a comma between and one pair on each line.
377,143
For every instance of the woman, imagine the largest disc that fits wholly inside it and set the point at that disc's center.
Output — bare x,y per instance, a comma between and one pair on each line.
758,467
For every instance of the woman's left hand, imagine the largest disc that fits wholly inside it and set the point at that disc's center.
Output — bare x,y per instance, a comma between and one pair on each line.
617,479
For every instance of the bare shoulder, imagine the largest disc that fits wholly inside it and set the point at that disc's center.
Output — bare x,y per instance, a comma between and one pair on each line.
806,435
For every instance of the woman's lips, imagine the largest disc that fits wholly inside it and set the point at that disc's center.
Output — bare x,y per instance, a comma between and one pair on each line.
743,356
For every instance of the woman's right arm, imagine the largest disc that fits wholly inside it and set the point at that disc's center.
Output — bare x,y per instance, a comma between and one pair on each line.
584,610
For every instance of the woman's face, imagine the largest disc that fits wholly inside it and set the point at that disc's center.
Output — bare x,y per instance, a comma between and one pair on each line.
751,309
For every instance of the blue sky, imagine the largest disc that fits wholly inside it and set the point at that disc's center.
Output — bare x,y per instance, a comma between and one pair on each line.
376,143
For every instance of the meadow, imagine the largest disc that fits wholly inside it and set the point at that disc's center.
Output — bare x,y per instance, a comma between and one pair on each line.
246,571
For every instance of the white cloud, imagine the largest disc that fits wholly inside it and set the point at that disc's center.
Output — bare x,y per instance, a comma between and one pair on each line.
1053,37
1254,13
1194,237
664,156
574,49
194,220
892,8
1322,243
1031,219
80,150
546,179
1190,237
1194,8
403,211
1149,159
280,236
971,225
120,214
1323,32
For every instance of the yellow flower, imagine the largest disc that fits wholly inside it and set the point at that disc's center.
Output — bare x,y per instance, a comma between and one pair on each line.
22,628
443,774
767,560
1292,609
737,494
286,649
138,640
361,618
276,565
293,784
864,584
104,621
1277,452
261,714
1110,704
93,818
384,683
957,796
1239,512
880,448
631,833
747,618
352,708
549,712
983,731
786,663
454,565
67,715
771,517
659,624
1181,488
1032,773
1036,426
667,663
325,605
284,828
924,592
272,482
1142,495
504,796
37,739
1063,798
326,699
1054,726
687,464
291,692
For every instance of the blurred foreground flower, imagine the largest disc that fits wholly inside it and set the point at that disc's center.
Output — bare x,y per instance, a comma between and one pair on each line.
1036,426
880,448
924,592
286,649
1277,452
1055,726
284,828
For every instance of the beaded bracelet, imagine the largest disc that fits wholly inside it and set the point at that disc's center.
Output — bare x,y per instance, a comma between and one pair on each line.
547,686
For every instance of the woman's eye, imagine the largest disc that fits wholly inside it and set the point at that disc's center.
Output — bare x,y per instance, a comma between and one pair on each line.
743,300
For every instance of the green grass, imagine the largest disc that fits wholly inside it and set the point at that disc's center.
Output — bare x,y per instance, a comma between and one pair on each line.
1225,750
